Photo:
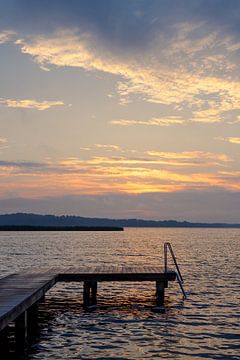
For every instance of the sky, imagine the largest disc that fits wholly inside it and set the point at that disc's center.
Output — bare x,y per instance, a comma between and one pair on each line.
121,109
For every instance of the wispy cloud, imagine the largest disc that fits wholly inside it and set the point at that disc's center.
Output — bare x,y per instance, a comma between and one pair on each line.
6,36
211,115
200,75
85,148
3,141
100,180
16,165
234,140
194,159
67,48
29,103
234,121
132,157
154,172
167,121
191,155
108,147
230,139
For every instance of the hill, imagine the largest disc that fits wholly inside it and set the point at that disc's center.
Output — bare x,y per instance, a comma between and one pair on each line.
23,219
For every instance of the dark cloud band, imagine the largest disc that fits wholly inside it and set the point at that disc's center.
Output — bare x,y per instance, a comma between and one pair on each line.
120,23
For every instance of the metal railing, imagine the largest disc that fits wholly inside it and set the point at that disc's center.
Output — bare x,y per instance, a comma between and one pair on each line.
168,246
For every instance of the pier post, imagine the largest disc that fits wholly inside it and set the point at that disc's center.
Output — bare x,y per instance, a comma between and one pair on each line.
86,293
4,342
32,322
21,332
89,293
42,299
94,293
160,286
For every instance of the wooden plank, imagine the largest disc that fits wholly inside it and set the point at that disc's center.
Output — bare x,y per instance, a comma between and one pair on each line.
126,276
19,292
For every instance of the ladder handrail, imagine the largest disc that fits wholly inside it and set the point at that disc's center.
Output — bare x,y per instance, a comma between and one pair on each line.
168,246
181,286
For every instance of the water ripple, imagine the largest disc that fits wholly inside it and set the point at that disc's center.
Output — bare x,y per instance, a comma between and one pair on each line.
206,326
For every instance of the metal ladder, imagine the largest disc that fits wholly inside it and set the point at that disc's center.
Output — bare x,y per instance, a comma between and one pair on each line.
168,246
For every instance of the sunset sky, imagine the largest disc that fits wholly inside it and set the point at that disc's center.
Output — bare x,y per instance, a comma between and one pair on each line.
121,109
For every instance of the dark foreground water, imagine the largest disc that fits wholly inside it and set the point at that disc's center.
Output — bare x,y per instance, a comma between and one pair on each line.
206,326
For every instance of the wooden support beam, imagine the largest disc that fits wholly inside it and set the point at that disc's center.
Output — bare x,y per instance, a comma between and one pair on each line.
4,343
89,293
42,299
94,293
32,323
160,286
86,293
21,332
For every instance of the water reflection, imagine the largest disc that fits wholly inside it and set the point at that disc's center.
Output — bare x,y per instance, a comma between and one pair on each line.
123,326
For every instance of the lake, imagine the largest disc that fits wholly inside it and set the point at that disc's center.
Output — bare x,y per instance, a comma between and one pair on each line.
205,326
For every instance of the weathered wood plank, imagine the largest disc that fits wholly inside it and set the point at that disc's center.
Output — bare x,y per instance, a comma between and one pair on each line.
107,276
21,291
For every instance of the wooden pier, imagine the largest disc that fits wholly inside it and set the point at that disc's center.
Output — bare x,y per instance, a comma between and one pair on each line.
20,293
90,276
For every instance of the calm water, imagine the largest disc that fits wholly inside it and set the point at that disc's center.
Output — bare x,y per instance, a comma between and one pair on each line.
124,326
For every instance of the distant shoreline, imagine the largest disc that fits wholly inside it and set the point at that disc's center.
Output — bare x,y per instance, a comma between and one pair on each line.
37,222
115,228
58,228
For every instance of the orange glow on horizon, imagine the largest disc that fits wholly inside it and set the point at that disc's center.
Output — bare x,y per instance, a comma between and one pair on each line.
101,175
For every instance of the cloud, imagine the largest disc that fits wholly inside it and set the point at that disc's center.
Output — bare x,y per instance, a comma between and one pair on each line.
27,165
3,141
194,159
85,148
167,121
184,57
108,147
187,72
6,36
128,24
109,19
152,158
191,155
234,140
29,104
67,48
210,115
236,121
157,172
